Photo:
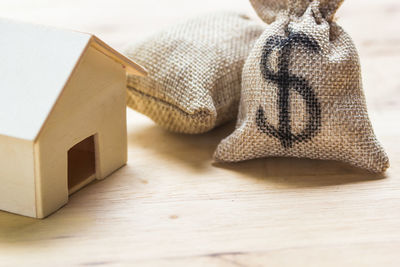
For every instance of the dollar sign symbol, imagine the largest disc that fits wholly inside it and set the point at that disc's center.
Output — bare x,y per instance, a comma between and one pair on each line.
286,81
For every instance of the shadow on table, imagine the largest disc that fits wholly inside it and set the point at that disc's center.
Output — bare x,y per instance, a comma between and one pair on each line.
197,150
293,172
194,150
78,216
20,231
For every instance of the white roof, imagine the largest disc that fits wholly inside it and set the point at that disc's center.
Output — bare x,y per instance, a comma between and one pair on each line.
35,64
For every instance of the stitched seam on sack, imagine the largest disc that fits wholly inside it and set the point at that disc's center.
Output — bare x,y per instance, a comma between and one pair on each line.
197,114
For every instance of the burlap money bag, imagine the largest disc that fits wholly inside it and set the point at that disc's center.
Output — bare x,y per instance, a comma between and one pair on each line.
195,71
302,94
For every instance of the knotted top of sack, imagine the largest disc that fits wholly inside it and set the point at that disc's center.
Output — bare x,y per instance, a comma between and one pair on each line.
268,10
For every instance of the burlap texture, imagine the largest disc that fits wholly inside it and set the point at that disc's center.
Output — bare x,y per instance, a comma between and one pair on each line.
195,71
302,93
268,10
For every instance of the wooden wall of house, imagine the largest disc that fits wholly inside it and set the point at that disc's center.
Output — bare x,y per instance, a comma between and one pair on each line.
93,103
17,177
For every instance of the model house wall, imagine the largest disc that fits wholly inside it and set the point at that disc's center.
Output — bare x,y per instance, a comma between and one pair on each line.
92,104
17,189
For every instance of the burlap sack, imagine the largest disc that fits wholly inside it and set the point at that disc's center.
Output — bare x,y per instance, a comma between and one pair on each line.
302,94
195,72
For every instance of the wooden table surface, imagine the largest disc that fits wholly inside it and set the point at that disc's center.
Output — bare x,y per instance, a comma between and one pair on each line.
172,206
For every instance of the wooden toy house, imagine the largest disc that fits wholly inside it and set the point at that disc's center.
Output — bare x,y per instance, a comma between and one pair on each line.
62,115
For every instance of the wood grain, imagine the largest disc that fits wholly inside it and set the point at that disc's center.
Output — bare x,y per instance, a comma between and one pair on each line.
172,206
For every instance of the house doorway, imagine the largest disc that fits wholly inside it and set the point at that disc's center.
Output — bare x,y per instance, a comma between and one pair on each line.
81,164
